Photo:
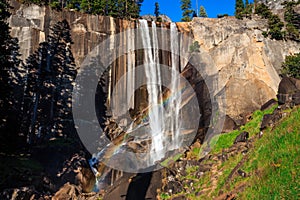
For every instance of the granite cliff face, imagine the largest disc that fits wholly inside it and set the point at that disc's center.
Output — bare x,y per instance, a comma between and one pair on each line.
247,63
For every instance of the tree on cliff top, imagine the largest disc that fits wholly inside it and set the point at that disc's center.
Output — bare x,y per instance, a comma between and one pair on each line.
202,12
239,9
186,6
114,8
156,9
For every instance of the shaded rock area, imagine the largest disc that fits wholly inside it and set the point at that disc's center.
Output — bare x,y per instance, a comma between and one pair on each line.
268,104
45,169
289,91
229,125
242,137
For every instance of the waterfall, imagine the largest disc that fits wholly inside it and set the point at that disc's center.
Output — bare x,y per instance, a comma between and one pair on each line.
159,125
175,102
164,120
151,60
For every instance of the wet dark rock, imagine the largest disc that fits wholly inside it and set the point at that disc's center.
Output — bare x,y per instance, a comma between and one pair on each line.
288,88
174,187
61,160
288,85
19,193
67,192
131,187
296,98
270,119
242,173
229,124
266,121
204,168
269,104
181,197
242,137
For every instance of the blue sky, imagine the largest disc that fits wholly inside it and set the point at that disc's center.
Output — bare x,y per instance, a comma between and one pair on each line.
172,7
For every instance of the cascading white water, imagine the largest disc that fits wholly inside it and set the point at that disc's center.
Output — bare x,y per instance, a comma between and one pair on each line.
162,120
175,101
152,74
130,67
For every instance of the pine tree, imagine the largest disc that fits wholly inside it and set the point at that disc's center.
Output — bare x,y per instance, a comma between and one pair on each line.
246,3
134,8
85,6
239,9
99,7
202,12
51,73
9,77
156,10
186,10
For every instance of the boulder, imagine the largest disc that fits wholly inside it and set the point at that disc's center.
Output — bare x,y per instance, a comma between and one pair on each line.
67,192
288,91
296,98
269,104
288,85
229,124
242,137
270,119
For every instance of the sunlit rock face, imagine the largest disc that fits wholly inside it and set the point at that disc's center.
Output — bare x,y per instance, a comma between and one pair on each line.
247,63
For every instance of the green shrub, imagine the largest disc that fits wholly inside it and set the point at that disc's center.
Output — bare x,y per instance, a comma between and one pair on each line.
291,66
222,15
195,47
292,19
263,10
275,25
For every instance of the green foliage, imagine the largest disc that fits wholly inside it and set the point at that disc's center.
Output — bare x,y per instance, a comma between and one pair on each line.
186,6
164,196
202,12
195,47
51,73
272,163
265,34
9,77
222,15
243,9
114,8
275,26
226,140
156,10
55,5
274,23
239,9
292,20
263,10
291,66
248,9
85,6
275,161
